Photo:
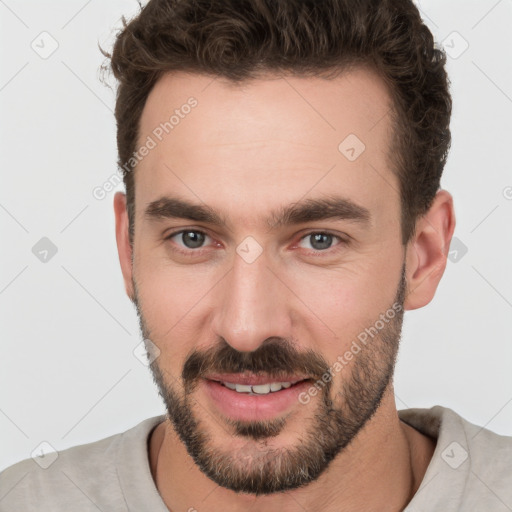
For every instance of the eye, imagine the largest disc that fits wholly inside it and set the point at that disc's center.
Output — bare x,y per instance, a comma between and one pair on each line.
321,241
189,238
192,241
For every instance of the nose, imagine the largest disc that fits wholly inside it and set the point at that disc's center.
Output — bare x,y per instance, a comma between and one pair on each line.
253,305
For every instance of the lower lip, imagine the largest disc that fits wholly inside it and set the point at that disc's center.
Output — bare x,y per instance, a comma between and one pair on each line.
243,406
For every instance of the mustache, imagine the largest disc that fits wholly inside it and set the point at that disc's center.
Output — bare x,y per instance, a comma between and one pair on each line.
273,357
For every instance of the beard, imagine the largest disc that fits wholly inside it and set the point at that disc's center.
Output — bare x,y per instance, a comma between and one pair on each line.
257,468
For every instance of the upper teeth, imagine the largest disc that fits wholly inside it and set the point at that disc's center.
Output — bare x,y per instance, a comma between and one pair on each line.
260,389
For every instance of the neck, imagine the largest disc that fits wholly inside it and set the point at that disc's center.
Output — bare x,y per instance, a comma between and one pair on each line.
380,470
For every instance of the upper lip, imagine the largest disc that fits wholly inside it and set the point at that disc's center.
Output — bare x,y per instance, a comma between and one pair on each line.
253,380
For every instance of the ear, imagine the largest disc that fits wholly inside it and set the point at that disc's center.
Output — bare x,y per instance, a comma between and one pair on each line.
124,248
427,251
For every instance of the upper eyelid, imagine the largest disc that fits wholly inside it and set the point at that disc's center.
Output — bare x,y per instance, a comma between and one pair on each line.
186,230
329,233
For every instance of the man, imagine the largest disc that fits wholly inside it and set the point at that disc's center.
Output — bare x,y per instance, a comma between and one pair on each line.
282,162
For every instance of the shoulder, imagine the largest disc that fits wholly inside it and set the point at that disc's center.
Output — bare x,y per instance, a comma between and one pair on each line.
471,466
482,445
82,477
489,456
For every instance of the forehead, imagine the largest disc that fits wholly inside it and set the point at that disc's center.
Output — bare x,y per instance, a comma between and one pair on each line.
267,140
355,101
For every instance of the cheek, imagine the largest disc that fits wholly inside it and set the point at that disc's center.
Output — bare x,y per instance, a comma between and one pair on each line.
169,298
340,304
167,288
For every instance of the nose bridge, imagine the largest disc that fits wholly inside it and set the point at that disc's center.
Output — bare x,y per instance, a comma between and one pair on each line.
253,306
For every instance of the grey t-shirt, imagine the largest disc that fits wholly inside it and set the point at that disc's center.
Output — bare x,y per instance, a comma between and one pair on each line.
471,470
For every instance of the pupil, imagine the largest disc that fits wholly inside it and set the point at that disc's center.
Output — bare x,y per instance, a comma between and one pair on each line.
318,238
192,239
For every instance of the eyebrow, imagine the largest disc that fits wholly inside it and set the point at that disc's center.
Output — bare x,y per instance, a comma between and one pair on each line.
309,210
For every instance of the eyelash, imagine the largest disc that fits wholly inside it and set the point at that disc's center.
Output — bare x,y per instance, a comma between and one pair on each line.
197,252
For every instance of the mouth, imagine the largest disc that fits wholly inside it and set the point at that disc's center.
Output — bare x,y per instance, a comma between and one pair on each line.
259,389
253,398
257,384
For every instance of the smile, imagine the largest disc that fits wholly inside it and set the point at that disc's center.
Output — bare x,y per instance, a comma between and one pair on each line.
258,389
252,397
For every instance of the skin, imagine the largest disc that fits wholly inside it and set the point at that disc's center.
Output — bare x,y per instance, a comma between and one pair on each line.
245,151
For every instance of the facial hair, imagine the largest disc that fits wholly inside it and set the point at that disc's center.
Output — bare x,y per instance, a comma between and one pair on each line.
257,469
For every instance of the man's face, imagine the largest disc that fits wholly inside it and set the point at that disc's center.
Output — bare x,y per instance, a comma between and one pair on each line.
257,298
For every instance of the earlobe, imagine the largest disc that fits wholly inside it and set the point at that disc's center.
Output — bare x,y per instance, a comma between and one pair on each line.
427,251
124,248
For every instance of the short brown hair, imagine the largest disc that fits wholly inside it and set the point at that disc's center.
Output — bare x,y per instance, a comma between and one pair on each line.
243,39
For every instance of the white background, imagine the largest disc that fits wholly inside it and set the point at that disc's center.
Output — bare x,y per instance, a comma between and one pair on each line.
67,370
